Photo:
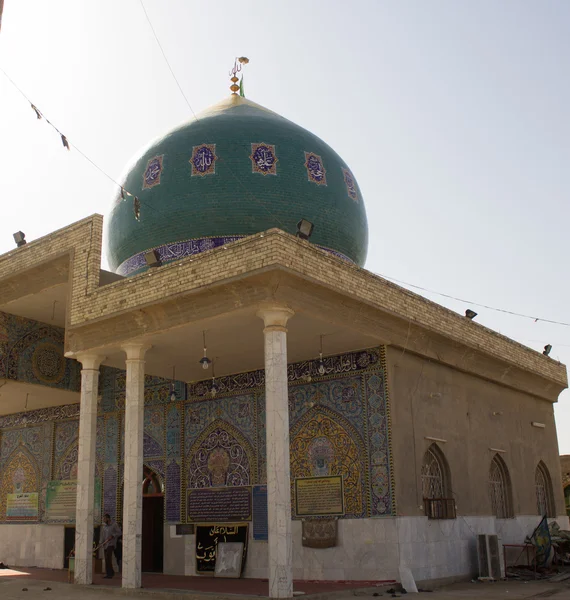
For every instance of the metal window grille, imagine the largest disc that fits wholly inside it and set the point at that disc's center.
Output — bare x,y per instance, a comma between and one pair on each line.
432,476
436,505
498,490
439,508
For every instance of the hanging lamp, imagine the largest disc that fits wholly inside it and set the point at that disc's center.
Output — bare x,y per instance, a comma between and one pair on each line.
173,396
214,387
321,367
205,361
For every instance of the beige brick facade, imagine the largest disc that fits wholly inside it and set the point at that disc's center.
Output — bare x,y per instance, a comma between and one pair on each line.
271,265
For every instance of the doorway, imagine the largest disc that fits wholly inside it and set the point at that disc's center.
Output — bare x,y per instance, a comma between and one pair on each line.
152,523
68,544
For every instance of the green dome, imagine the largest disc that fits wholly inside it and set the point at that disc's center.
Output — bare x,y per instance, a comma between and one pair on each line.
235,171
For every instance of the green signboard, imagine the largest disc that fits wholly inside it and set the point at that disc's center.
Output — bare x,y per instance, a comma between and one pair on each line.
61,501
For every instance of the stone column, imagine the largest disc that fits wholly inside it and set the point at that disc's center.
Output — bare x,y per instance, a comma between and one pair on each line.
132,499
86,468
280,545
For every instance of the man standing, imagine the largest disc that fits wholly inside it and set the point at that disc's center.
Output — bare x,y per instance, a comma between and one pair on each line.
110,534
119,549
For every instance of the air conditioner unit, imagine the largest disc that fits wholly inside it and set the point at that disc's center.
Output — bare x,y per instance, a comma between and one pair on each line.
489,557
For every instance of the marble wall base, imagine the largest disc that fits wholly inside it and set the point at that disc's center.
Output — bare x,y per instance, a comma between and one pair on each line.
375,549
32,546
174,551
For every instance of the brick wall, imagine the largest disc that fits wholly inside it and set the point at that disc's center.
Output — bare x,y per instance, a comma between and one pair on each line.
272,249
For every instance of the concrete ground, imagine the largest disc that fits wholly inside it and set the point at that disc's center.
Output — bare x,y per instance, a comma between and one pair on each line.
16,587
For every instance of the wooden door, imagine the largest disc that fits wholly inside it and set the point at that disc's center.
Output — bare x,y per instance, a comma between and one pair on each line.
152,533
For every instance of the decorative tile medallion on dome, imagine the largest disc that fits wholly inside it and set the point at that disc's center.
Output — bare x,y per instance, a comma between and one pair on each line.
350,184
316,172
152,172
263,159
203,160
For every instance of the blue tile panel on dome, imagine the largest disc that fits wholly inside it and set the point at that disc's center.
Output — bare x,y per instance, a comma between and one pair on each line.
350,184
263,159
237,170
152,172
203,160
315,169
339,424
179,250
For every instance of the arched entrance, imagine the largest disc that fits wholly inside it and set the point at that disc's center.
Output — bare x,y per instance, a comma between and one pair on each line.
152,522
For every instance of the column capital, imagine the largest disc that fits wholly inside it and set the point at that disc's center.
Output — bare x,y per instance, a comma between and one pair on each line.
275,316
136,350
89,361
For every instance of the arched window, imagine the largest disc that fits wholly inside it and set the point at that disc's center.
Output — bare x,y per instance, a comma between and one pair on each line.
543,486
436,485
567,498
151,483
500,489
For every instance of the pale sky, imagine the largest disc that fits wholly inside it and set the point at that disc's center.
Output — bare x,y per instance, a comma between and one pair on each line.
453,116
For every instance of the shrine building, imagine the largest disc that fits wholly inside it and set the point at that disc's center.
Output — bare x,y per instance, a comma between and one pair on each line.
239,377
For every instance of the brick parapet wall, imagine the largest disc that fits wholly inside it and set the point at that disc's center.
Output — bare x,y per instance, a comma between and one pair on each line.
274,249
81,241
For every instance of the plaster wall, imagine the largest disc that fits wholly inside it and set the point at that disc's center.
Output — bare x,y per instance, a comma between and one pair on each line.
473,416
32,545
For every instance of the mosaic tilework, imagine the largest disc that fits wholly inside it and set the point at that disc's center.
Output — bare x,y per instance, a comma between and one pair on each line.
263,159
175,251
173,490
31,438
183,249
323,443
67,467
350,184
19,474
158,467
33,352
100,440
173,484
261,439
65,434
315,169
173,431
110,490
111,466
154,432
65,450
203,160
41,415
152,172
330,416
221,457
339,421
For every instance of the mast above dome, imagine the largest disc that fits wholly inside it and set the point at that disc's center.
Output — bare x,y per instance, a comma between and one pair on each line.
238,66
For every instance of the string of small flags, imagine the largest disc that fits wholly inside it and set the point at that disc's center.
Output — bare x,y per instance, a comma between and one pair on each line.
67,145
40,115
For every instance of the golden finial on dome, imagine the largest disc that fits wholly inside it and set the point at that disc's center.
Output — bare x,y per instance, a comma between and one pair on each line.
238,65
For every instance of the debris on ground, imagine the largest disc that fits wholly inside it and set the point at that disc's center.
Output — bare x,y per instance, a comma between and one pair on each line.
561,542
